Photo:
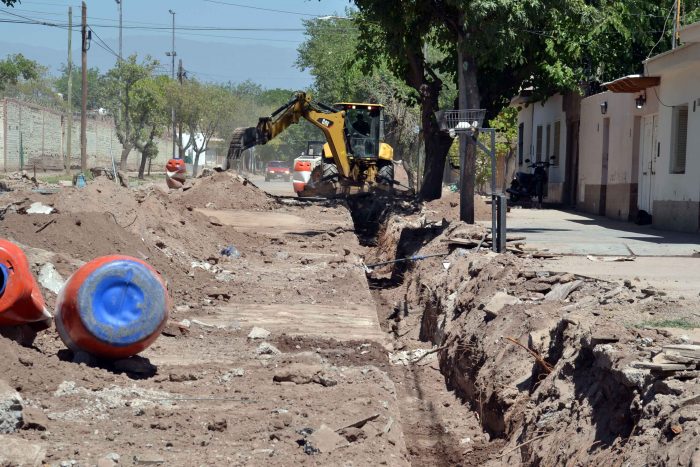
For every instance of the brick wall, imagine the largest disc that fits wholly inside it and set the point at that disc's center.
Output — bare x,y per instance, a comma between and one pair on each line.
43,135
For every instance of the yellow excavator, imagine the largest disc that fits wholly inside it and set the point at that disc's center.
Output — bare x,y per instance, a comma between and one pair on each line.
354,154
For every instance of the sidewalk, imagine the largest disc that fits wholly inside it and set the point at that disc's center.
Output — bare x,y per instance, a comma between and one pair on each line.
568,233
667,260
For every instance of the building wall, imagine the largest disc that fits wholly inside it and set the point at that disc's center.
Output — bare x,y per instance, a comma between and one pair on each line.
545,113
609,187
42,135
676,197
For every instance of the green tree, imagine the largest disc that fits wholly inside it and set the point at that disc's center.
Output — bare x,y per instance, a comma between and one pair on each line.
11,2
150,115
15,68
97,92
209,107
121,82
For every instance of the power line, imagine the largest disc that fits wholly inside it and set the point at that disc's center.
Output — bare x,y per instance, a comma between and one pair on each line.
263,9
100,40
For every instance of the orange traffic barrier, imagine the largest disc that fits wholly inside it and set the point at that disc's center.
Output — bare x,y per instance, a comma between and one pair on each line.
112,307
21,301
175,173
301,175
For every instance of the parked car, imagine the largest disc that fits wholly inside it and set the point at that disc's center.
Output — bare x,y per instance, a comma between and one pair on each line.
277,169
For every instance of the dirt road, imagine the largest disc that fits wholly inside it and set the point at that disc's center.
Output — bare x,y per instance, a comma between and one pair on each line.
283,348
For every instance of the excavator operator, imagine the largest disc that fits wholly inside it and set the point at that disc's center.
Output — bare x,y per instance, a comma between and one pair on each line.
360,125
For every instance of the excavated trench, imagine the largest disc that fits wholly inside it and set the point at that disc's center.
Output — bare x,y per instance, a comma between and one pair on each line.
534,382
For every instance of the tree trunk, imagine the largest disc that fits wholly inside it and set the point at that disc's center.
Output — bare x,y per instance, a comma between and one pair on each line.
437,143
195,166
142,166
125,155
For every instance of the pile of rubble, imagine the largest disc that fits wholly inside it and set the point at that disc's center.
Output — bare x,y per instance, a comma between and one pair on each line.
561,368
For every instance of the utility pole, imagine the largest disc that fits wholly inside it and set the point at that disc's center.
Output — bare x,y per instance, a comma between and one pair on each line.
69,126
180,78
119,2
675,42
83,110
172,54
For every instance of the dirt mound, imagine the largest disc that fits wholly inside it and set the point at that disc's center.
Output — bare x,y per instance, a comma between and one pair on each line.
448,207
225,190
549,362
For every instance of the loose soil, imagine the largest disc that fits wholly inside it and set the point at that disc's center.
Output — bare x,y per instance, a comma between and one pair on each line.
404,364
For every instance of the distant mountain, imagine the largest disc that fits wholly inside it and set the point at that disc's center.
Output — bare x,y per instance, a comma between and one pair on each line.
270,66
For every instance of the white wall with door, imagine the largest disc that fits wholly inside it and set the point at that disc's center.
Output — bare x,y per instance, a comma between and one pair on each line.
674,188
610,145
542,137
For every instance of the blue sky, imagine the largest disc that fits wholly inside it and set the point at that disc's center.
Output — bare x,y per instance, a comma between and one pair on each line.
266,57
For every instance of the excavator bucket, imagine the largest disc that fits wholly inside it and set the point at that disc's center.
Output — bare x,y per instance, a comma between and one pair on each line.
242,139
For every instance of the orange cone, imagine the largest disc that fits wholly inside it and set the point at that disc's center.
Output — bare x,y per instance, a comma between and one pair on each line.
21,301
112,307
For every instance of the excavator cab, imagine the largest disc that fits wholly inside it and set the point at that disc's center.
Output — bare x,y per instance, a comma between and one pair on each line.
363,129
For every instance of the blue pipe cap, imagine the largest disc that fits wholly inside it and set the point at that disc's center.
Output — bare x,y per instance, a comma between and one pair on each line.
122,303
4,277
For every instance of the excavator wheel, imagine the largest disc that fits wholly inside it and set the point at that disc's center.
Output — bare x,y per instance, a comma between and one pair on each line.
385,175
330,172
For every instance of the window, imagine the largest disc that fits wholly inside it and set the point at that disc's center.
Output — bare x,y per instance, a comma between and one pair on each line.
538,148
547,152
557,143
521,143
679,138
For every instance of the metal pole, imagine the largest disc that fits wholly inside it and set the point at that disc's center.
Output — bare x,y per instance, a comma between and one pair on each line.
69,123
172,75
83,110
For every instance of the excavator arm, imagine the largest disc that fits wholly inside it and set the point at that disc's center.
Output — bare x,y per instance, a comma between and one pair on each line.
329,120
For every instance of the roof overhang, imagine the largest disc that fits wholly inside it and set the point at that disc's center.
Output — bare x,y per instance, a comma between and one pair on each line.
632,83
690,33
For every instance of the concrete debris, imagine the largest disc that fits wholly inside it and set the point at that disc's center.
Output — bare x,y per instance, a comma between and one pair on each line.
611,259
19,452
258,333
562,291
10,409
148,459
325,440
267,349
406,357
229,375
498,302
40,208
34,419
299,373
50,278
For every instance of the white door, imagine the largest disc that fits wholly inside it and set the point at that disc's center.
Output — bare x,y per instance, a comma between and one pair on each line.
649,147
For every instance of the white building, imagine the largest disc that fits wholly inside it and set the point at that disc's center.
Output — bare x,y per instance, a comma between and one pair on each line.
672,182
546,129
633,148
189,152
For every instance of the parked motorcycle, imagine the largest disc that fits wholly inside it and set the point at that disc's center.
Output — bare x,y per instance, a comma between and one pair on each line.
526,186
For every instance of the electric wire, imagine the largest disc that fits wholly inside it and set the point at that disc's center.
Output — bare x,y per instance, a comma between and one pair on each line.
265,9
673,7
